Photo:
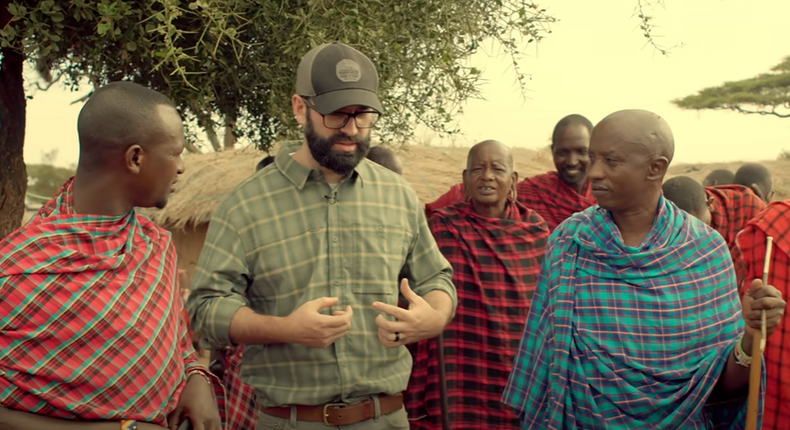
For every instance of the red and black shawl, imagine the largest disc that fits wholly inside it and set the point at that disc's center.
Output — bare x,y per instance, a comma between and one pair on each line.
732,207
495,268
553,199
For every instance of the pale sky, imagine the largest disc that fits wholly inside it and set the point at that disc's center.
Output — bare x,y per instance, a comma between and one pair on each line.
595,62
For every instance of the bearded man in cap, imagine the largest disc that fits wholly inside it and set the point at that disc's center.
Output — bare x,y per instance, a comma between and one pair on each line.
301,265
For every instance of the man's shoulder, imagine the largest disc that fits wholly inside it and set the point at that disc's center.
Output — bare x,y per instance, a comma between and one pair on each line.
261,184
540,179
448,213
569,227
151,228
775,217
696,227
730,191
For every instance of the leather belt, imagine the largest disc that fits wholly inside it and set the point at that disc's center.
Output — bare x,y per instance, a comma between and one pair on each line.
339,414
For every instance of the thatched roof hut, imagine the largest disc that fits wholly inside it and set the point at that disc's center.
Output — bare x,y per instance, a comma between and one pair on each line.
209,177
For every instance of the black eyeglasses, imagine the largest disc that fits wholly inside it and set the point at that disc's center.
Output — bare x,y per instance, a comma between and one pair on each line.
338,120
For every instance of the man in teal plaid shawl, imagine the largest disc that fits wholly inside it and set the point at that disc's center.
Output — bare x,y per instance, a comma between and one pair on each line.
636,321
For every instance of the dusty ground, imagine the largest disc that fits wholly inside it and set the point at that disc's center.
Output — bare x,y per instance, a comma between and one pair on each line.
433,170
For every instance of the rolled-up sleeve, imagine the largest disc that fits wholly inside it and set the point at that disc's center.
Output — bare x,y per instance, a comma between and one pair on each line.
220,283
427,267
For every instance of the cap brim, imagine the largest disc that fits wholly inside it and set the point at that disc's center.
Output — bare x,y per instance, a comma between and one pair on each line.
333,101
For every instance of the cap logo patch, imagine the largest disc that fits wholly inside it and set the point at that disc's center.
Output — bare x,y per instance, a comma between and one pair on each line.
348,71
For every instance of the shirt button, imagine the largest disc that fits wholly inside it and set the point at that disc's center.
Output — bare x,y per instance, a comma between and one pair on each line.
334,239
336,283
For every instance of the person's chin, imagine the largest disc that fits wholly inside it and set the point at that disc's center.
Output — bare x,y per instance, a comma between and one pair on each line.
486,200
574,179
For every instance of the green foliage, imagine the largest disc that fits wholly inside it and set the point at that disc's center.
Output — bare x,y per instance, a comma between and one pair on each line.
784,155
44,180
236,59
765,94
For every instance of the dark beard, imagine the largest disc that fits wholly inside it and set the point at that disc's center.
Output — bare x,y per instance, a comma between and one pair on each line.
340,162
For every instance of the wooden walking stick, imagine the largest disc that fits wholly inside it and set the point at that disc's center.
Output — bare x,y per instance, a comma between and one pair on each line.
442,383
758,346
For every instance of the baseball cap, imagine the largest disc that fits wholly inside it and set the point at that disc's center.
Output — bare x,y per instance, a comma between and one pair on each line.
335,75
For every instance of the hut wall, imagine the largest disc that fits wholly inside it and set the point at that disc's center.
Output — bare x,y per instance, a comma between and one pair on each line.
189,243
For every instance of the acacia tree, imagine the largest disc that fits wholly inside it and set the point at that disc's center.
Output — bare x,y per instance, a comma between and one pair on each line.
764,94
235,60
231,63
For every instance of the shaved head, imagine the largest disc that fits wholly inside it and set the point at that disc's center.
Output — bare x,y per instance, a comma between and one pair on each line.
719,177
117,116
689,195
757,177
490,178
384,157
490,143
644,129
630,151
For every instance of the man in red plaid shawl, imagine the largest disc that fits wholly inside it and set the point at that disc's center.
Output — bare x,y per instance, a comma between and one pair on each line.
726,208
559,194
749,259
93,327
495,246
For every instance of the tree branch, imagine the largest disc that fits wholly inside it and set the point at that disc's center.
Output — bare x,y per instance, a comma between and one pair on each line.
82,99
50,83
211,134
760,112
647,27
230,124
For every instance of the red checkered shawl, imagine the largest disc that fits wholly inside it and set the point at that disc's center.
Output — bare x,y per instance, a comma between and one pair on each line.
733,206
495,267
93,326
553,199
749,256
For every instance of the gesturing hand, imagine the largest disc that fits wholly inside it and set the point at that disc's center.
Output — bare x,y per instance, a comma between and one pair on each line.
761,297
310,328
420,321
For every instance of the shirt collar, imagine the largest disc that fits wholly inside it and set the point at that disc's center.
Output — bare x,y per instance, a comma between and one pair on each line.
299,174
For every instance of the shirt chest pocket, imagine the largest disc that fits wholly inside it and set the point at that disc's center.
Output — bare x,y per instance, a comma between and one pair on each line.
379,252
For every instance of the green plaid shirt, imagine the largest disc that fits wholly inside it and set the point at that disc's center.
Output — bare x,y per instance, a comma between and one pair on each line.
284,237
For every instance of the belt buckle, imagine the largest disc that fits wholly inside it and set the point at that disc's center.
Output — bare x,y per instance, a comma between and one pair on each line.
326,408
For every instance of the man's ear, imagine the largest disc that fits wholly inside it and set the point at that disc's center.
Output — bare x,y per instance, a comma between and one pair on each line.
299,109
133,159
757,190
658,168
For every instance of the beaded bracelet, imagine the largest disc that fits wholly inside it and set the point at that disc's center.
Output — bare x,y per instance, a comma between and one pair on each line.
740,355
128,425
198,372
